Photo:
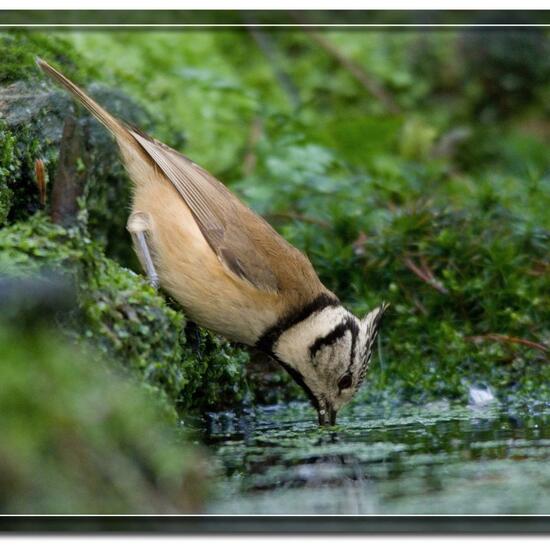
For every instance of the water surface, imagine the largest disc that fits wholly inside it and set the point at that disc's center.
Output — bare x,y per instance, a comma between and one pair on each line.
434,459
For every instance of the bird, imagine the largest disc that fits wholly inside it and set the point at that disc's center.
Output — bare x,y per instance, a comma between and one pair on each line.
232,272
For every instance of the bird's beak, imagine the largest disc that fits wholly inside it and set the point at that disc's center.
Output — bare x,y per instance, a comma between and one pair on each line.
327,416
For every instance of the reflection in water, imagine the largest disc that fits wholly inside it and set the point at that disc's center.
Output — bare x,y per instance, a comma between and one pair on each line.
432,459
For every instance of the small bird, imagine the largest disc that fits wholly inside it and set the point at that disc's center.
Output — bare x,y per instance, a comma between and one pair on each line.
232,272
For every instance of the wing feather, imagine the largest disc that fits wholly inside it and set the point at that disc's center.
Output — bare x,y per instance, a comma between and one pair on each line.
219,215
245,244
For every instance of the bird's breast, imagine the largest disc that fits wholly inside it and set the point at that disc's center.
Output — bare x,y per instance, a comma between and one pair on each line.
191,272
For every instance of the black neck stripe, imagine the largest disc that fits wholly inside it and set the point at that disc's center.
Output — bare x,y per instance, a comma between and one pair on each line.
299,379
269,338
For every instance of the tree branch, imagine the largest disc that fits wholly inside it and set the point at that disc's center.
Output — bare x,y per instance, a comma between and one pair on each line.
509,340
425,274
368,82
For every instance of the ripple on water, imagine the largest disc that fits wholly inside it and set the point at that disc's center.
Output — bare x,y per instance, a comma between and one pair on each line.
437,458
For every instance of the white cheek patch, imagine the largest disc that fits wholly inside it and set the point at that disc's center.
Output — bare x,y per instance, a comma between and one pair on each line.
293,345
334,358
324,356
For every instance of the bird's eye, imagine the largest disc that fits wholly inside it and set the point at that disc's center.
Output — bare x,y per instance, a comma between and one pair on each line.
345,382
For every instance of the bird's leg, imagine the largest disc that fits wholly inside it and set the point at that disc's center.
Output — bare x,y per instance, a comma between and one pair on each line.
139,226
140,242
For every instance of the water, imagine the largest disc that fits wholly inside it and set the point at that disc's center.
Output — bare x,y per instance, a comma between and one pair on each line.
435,459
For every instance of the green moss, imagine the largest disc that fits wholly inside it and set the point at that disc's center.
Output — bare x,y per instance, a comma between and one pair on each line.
76,438
8,168
26,247
483,264
35,110
121,315
125,317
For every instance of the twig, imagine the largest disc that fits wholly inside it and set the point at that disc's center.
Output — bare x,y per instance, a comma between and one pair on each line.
425,274
301,218
509,340
368,82
539,269
415,301
250,159
40,174
268,49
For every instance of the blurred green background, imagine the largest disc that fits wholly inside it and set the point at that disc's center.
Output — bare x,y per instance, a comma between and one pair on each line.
410,166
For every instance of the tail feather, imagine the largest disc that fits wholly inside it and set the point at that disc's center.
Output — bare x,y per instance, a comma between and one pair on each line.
114,125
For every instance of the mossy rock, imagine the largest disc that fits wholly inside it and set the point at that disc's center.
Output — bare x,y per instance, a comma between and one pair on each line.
33,117
121,315
33,111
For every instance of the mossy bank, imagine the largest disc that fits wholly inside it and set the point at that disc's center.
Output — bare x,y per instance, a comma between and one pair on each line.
95,388
76,437
117,310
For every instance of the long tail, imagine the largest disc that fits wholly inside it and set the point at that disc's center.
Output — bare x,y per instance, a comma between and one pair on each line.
114,125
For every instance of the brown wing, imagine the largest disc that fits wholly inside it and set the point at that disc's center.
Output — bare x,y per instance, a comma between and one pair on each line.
245,244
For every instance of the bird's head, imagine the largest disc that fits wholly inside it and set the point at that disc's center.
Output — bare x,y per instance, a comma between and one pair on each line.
327,354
